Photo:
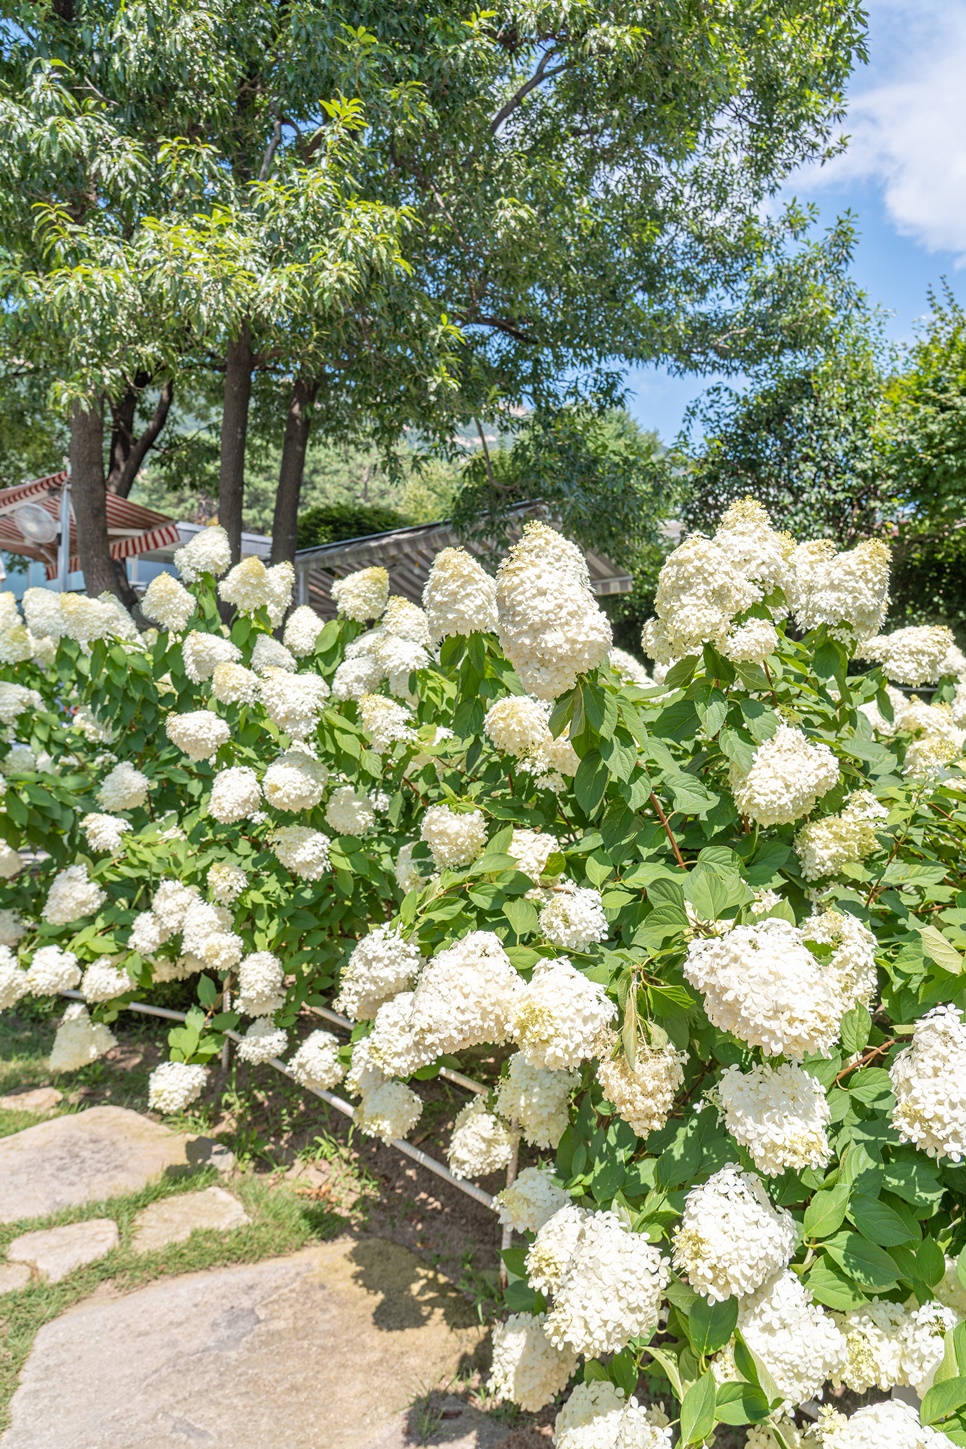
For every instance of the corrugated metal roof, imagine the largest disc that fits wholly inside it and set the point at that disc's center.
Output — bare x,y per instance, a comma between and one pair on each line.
131,528
408,554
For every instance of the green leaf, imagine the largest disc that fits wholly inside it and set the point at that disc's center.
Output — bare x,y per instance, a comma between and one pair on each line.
942,1400
829,1285
856,1029
697,1410
741,1404
825,1213
207,993
878,1222
622,1371
710,1325
590,782
940,951
866,1263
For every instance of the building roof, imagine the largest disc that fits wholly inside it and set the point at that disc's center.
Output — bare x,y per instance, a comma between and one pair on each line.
408,553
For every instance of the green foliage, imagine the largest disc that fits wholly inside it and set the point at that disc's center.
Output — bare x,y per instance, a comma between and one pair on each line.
327,523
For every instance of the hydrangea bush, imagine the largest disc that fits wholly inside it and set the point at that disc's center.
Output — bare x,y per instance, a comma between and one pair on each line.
710,917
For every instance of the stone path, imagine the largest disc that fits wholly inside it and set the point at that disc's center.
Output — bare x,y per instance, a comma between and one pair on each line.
55,1252
174,1219
37,1100
87,1157
82,1158
326,1349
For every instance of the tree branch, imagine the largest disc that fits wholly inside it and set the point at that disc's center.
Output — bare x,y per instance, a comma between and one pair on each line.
141,445
273,146
539,76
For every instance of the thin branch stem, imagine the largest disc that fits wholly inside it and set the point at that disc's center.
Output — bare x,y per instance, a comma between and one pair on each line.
668,831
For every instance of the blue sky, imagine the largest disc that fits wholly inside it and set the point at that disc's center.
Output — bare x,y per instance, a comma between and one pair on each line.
903,176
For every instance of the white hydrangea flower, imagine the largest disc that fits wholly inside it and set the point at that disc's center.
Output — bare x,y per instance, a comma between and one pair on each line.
929,1081
295,781
927,759
225,882
72,895
628,668
643,1095
873,1349
45,618
105,833
15,699
537,1099
798,1342
751,643
931,720
293,701
518,725
90,726
12,927
527,1369
316,1063
13,980
124,788
79,1041
598,1416
531,850
612,1290
764,985
363,1075
250,586
732,1239
262,1041
235,794
384,721
389,1112
824,846
459,597
466,995
573,918
303,851
397,658
363,595
17,644
699,591
480,1142
202,653
173,1086
780,1114
915,655
199,733
103,981
531,1200
788,774
392,1046
11,861
88,619
750,544
356,677
209,552
381,965
261,989
168,603
147,934
234,684
172,902
842,590
406,620
559,1015
455,837
552,1251
302,630
549,623
922,1344
409,876
891,1423
349,812
268,653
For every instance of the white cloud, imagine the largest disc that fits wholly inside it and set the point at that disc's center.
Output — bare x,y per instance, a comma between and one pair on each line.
907,121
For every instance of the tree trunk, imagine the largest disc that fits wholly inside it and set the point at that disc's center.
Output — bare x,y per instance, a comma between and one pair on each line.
234,431
127,452
297,427
89,498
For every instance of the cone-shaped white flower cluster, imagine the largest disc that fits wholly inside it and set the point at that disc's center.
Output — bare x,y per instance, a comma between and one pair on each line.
780,1114
455,837
559,1015
598,1416
124,788
260,985
167,602
890,1425
849,592
199,733
80,1041
250,586
202,653
209,552
798,1342
763,983
643,1095
531,1200
573,917
72,895
363,595
175,1085
316,1063
789,774
349,812
262,1042
549,623
929,1082
527,1369
731,1239
824,846
480,1143
381,965
303,851
459,596
105,833
915,655
385,721
537,1099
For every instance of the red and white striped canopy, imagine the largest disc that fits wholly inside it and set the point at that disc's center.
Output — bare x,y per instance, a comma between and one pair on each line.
131,528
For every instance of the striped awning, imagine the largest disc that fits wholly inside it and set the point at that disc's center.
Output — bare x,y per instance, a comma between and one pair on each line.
131,528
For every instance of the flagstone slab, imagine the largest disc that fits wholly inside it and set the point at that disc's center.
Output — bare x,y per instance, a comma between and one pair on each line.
324,1349
55,1252
13,1277
174,1219
84,1157
37,1100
